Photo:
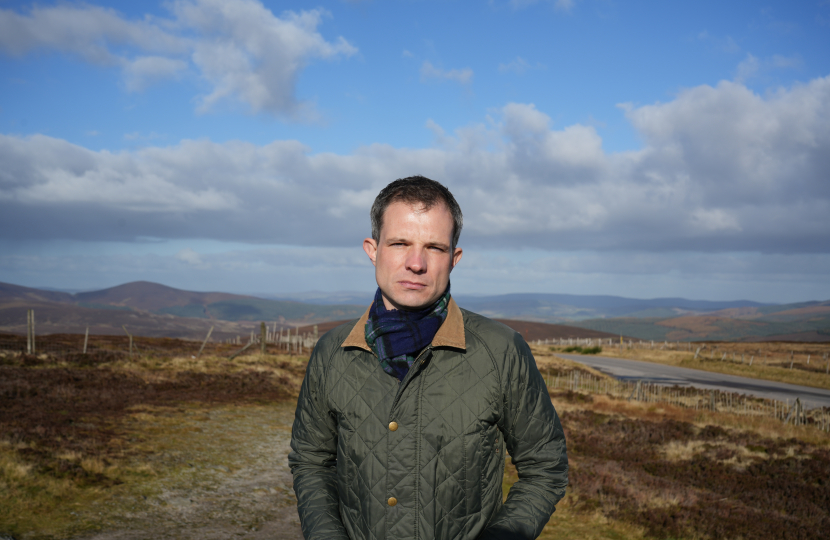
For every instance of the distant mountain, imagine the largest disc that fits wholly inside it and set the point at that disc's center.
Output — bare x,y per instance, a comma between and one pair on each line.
806,321
571,307
152,305
354,298
153,297
162,310
543,307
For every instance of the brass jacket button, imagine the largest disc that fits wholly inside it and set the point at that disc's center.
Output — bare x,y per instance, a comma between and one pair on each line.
393,426
392,501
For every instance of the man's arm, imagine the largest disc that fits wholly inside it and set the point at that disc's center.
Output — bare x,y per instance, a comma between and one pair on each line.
536,443
313,458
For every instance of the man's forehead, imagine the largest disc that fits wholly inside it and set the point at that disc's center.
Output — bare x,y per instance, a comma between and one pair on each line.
402,218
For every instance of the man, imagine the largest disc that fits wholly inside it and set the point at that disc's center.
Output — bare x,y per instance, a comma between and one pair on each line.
404,417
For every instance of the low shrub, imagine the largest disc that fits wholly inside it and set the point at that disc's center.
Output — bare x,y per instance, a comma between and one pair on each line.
583,350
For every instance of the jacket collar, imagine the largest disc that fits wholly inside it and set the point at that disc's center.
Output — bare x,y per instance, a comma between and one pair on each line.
451,333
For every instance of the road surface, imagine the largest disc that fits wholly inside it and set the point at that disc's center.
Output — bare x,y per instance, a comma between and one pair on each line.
671,375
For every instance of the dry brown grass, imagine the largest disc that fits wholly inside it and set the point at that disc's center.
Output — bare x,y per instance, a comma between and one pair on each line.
638,469
76,432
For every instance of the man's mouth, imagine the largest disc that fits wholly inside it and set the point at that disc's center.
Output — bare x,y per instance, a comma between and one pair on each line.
411,285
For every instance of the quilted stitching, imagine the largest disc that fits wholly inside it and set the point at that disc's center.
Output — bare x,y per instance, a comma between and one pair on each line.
440,463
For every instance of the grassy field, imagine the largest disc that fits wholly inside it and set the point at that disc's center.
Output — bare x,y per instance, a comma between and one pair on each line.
103,448
770,361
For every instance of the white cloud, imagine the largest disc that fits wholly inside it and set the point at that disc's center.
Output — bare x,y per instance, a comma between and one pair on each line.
563,5
558,5
94,33
190,257
147,70
726,44
722,169
241,48
747,68
462,76
519,66
751,66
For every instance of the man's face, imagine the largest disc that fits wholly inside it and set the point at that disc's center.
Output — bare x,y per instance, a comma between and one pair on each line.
412,258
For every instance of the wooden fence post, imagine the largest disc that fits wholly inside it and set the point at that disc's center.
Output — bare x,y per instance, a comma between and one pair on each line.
86,338
207,337
792,358
262,338
240,351
29,331
131,339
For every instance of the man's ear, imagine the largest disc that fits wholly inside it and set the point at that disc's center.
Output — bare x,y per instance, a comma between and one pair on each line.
371,249
456,257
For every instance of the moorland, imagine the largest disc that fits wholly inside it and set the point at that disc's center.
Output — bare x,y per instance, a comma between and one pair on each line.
165,444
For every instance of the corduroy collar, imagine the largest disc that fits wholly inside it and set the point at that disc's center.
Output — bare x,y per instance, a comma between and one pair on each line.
451,333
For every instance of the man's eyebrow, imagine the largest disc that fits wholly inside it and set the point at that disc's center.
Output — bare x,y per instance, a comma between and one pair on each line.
438,245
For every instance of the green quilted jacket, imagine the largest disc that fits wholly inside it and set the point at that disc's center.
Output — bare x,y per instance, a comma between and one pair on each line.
374,458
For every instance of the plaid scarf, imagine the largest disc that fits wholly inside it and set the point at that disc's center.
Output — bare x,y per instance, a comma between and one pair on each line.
397,336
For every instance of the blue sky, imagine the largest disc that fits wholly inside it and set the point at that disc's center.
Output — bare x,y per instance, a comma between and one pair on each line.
596,147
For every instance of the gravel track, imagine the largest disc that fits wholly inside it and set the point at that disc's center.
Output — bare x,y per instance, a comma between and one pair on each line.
222,473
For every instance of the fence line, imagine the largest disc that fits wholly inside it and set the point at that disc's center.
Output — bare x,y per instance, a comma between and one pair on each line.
692,398
288,340
704,351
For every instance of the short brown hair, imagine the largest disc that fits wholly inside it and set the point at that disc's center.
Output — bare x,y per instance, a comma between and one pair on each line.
416,190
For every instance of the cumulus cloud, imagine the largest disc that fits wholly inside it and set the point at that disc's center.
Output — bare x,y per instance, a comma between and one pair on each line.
462,76
239,47
722,169
147,70
95,33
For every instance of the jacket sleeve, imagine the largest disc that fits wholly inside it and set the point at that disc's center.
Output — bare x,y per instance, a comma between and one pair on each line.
313,457
536,443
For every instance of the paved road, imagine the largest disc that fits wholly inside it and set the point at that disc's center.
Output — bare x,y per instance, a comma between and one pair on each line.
670,375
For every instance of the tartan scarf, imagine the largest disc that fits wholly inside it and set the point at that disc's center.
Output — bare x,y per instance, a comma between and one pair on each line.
397,336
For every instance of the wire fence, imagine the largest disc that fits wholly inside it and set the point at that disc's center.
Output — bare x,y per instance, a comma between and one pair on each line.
277,341
789,412
812,357
128,345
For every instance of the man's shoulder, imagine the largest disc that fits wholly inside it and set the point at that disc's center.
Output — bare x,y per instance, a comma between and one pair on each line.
337,335
488,329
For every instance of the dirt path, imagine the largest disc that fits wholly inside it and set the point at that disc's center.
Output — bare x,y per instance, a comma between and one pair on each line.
213,474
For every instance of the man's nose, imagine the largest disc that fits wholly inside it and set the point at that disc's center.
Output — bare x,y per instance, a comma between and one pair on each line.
416,261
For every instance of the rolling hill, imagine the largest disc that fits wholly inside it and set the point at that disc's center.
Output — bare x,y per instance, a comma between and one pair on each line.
807,321
159,310
155,310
